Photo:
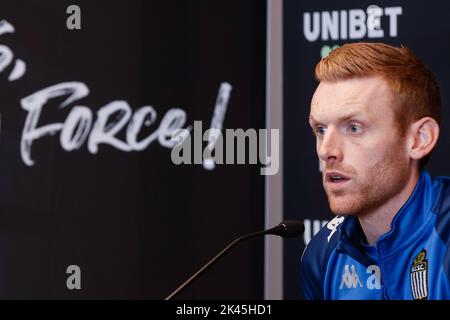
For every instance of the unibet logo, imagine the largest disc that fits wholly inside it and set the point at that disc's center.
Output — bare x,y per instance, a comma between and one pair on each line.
350,24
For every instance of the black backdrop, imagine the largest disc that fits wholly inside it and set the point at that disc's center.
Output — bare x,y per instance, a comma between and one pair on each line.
422,26
136,224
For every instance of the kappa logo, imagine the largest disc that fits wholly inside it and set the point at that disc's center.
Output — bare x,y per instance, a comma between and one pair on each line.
419,276
350,279
333,224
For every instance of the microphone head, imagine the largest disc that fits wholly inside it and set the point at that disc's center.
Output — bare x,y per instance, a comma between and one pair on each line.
288,229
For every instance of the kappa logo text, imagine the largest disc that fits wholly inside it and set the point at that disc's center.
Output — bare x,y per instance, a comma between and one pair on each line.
350,278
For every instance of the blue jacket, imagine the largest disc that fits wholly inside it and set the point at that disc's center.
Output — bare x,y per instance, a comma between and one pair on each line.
411,261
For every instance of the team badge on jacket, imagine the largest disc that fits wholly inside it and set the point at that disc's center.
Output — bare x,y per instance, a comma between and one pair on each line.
419,276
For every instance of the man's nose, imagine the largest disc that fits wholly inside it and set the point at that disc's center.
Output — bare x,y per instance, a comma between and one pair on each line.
330,148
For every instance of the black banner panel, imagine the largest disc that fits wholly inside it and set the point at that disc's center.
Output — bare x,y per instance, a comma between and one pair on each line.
92,203
311,30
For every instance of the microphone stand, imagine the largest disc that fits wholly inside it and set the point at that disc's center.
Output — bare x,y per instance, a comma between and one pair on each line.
213,260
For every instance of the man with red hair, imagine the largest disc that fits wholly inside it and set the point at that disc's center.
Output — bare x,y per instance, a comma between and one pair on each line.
376,114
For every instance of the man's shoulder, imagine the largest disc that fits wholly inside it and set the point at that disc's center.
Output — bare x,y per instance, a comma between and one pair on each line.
442,224
442,208
443,200
315,258
324,240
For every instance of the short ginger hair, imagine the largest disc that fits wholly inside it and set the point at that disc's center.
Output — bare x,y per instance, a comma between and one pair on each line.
416,92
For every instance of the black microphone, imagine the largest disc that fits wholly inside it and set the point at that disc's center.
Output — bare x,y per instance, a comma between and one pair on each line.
286,229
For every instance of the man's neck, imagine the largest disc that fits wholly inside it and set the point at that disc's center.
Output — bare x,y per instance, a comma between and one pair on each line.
378,221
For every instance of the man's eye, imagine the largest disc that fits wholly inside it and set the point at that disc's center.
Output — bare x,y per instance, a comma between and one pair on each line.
320,131
354,128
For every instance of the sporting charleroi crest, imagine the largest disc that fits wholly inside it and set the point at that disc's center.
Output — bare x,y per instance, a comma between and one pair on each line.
419,276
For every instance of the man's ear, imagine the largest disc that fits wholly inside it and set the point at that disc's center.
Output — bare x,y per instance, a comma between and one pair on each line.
423,134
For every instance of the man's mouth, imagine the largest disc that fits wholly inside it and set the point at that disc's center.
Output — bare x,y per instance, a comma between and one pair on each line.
334,179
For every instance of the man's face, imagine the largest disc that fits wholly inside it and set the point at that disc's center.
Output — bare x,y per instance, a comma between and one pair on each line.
364,158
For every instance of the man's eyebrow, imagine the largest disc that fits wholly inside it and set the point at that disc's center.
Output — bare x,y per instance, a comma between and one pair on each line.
312,120
342,118
350,115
